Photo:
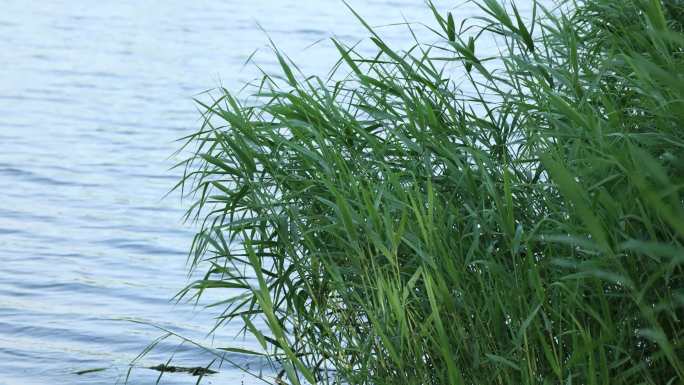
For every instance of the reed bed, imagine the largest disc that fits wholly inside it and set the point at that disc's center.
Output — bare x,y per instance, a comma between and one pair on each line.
433,216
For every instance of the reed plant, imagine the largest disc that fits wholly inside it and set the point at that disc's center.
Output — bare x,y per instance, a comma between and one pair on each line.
435,216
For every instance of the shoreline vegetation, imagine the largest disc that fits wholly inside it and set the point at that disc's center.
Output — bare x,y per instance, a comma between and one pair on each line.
435,216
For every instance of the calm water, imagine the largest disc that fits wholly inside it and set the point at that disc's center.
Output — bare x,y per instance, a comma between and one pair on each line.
92,96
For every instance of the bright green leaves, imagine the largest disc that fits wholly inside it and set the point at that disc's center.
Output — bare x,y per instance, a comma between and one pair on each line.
502,18
577,198
451,28
517,220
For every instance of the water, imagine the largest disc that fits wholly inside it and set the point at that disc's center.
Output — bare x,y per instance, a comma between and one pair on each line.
92,97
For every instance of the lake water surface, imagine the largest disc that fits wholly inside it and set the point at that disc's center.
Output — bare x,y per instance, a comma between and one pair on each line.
92,97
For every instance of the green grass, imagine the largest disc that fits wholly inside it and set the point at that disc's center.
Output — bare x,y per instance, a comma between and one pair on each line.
434,216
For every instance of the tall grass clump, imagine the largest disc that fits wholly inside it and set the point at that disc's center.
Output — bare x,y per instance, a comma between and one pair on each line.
436,216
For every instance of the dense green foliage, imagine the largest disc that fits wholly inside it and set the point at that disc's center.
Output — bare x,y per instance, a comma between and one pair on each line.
433,216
